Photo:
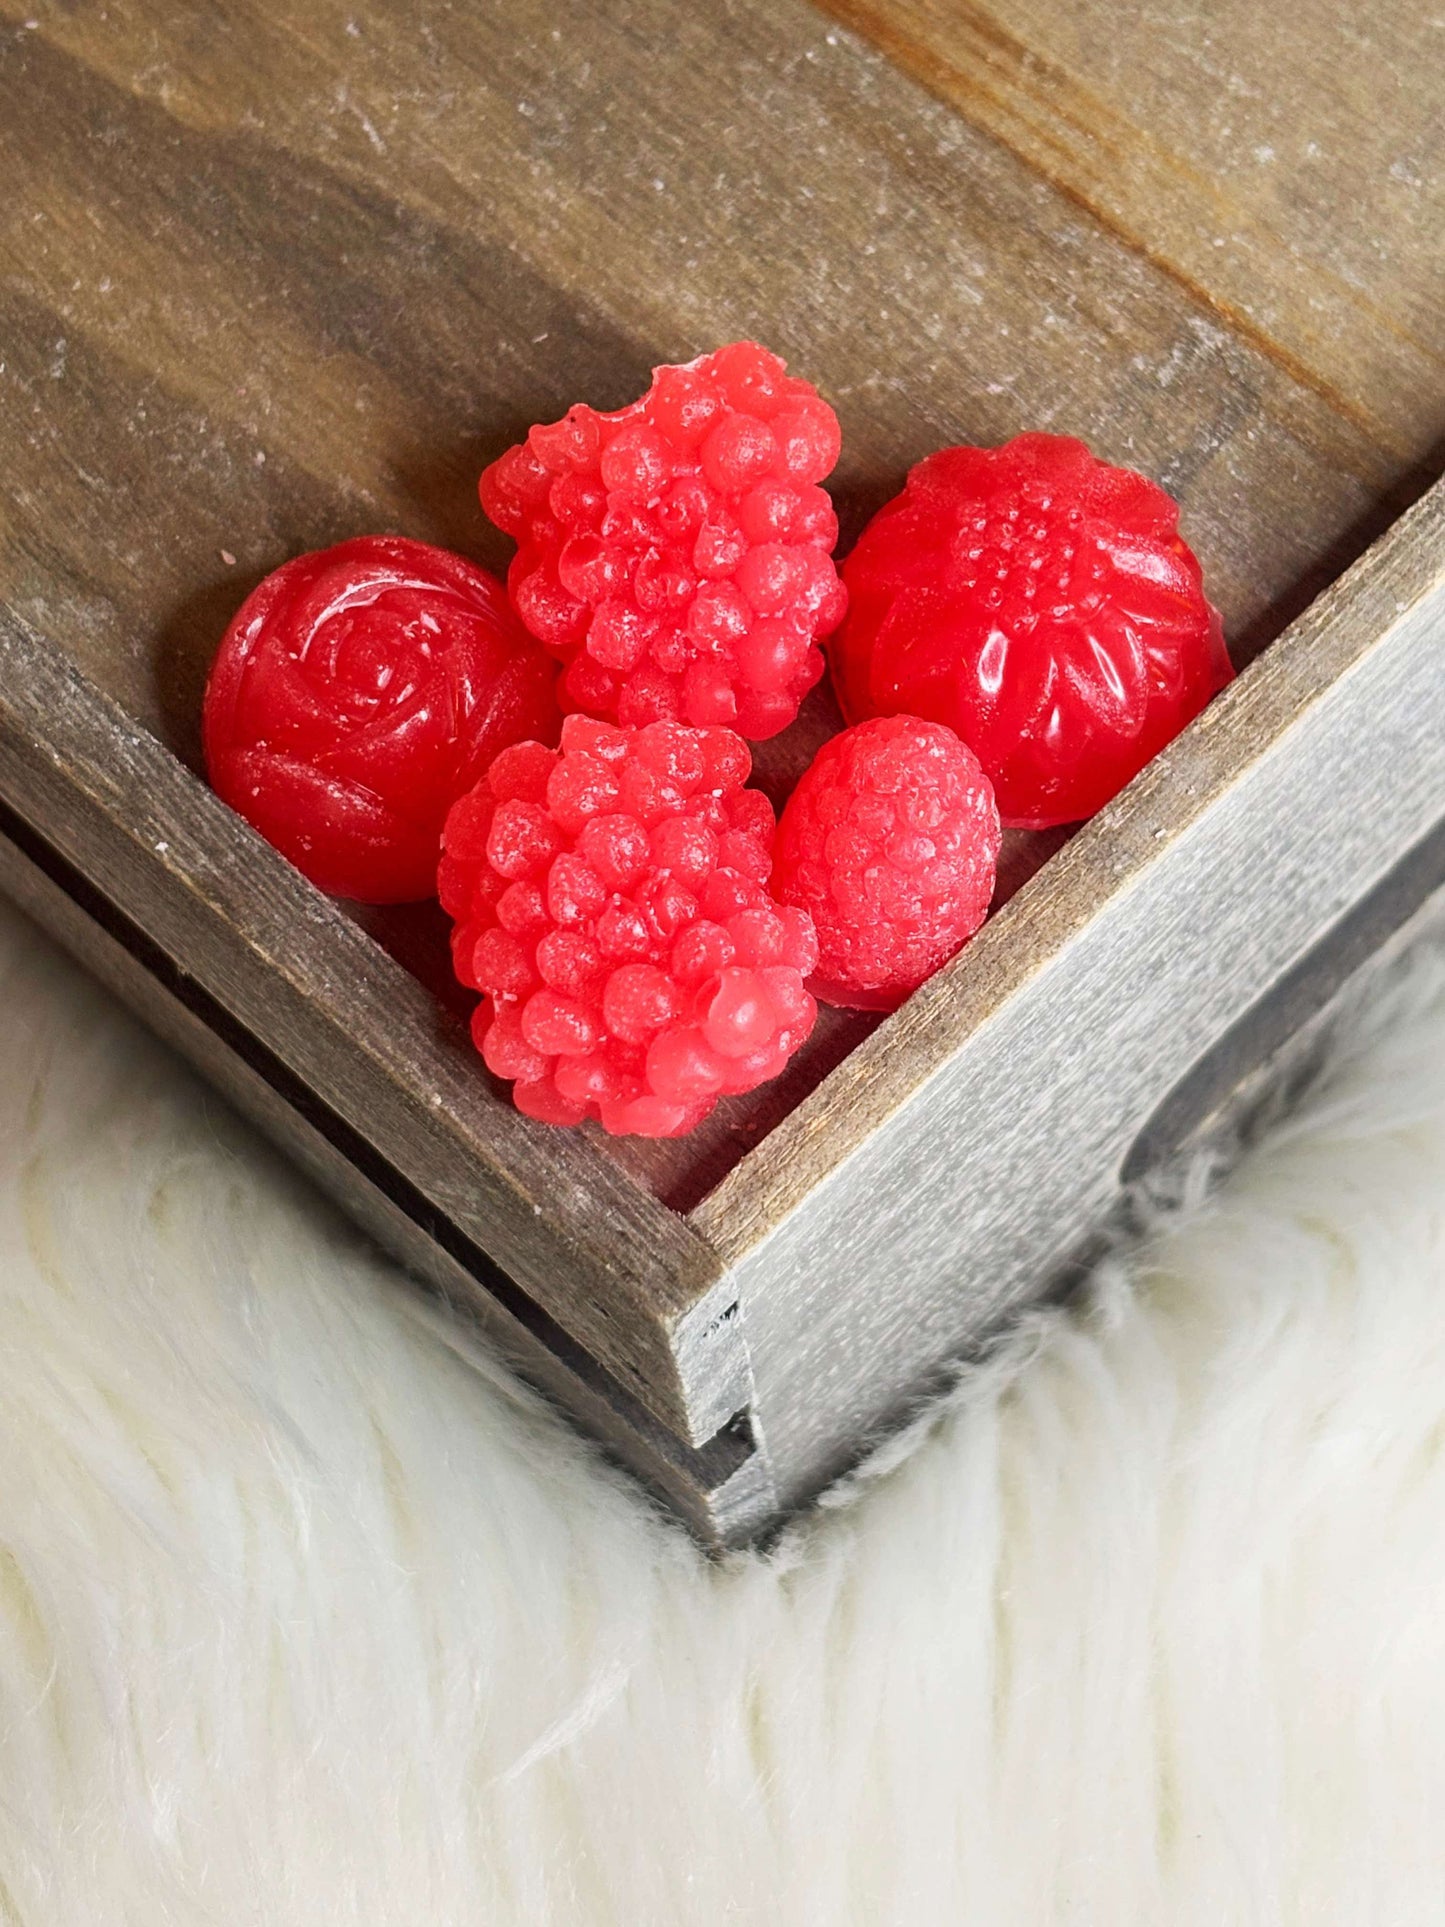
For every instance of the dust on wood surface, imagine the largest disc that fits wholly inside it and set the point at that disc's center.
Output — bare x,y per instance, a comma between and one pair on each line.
271,275
1286,164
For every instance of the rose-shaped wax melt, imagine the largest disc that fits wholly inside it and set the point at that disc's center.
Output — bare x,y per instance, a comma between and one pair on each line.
357,694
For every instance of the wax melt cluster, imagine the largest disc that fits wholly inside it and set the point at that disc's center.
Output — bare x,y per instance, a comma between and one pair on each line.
1024,629
611,905
677,555
1043,605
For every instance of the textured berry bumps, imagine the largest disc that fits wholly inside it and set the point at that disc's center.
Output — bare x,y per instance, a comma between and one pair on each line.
677,554
358,692
890,842
1044,606
611,905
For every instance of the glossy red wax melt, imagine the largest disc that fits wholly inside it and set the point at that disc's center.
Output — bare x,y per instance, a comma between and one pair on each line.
358,692
677,554
890,842
611,905
1044,606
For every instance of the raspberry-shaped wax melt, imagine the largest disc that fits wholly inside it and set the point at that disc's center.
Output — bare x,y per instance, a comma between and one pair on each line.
890,842
1041,604
611,905
677,554
358,692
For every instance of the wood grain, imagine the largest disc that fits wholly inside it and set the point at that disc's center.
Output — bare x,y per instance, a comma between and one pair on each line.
625,1277
201,213
961,1153
723,1490
270,275
1101,864
266,280
1284,164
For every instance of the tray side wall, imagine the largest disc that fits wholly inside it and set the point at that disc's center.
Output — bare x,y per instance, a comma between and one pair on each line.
721,1490
632,1283
960,1207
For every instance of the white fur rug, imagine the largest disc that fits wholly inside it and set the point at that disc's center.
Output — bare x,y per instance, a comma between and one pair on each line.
304,1622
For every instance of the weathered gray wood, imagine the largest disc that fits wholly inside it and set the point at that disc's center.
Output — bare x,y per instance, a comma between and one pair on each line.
935,1181
627,1278
722,1490
271,275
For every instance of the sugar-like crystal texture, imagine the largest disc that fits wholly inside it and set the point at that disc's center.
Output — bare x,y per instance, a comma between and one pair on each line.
677,554
890,842
1044,606
358,692
611,904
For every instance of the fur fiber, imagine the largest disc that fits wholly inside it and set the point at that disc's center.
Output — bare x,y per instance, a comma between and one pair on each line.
306,1622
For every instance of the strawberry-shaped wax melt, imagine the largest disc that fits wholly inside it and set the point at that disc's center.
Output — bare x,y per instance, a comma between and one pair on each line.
611,904
890,842
1044,606
677,554
358,692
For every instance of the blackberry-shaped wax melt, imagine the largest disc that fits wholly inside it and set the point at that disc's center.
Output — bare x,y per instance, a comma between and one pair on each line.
677,555
611,905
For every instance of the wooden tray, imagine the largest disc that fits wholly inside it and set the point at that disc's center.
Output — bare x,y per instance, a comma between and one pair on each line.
274,275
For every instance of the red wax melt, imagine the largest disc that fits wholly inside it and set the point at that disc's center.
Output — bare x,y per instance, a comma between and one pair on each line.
890,842
358,692
611,905
1041,604
677,554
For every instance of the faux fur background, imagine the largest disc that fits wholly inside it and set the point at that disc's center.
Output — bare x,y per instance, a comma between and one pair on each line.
304,1622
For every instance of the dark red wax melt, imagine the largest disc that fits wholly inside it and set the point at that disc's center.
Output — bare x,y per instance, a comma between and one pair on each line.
358,692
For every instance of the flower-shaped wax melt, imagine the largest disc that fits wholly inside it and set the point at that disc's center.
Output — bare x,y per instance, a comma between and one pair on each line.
1043,605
